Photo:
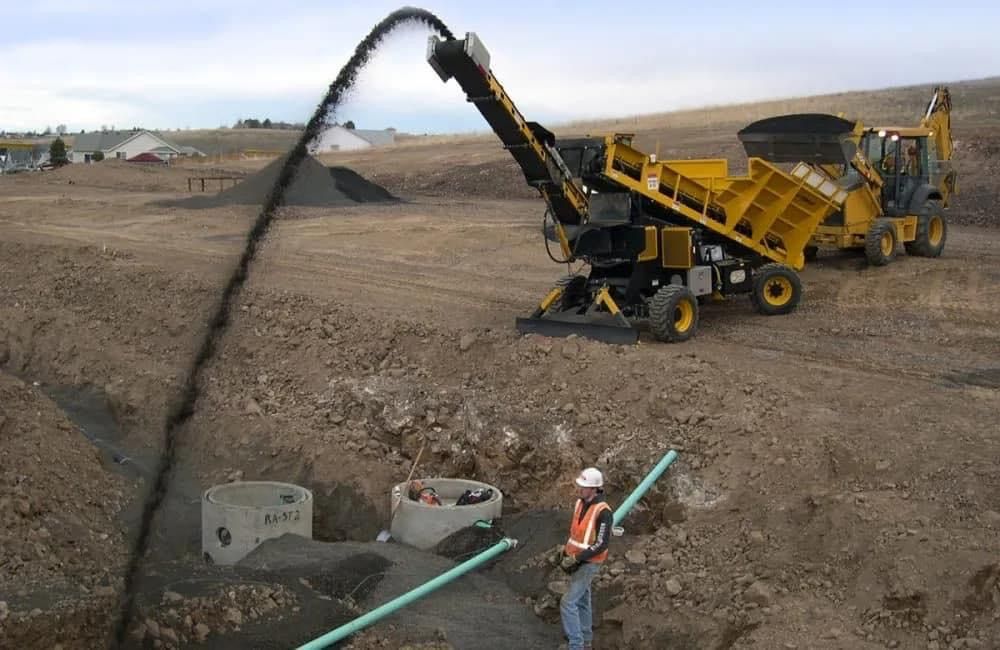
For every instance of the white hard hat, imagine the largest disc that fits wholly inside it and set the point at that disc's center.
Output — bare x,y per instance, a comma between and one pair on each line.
590,477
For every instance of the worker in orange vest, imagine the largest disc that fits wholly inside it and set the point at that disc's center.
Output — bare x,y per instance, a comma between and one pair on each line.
583,554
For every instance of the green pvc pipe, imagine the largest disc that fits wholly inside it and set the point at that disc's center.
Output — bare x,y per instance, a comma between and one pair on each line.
643,487
364,621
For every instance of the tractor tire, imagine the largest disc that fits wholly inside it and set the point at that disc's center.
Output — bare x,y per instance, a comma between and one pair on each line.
932,232
777,290
880,242
811,253
673,314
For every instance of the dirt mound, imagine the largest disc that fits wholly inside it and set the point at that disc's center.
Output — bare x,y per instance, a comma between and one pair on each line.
60,539
315,185
357,187
61,527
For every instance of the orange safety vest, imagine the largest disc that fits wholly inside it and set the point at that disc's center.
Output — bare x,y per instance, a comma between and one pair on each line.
583,533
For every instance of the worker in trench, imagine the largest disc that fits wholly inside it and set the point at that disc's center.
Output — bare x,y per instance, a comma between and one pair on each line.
582,557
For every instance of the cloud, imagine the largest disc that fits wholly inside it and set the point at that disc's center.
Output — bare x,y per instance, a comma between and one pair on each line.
216,60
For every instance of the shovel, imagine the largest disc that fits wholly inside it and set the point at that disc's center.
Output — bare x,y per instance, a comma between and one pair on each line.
385,535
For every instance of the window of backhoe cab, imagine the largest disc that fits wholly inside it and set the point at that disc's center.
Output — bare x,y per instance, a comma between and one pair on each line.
892,154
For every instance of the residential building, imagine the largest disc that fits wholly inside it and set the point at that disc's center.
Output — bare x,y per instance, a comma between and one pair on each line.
121,145
339,138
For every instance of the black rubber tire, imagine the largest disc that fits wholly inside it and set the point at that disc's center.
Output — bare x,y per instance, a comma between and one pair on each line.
874,252
766,280
811,253
922,246
665,321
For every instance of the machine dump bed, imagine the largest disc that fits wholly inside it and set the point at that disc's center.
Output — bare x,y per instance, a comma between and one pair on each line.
768,211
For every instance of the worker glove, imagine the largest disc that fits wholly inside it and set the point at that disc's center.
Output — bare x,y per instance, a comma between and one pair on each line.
569,564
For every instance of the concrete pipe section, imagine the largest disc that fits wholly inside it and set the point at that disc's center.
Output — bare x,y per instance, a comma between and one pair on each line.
423,525
238,517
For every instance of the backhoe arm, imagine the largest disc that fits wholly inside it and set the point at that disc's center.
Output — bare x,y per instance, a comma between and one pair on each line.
938,118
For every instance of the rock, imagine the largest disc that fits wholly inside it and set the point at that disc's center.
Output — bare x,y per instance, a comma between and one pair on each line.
169,635
635,557
667,561
559,587
673,586
568,407
153,628
992,518
4,353
172,596
4,610
759,593
570,350
201,632
682,537
756,537
832,633
104,591
618,615
252,407
139,632
234,616
467,341
882,465
235,475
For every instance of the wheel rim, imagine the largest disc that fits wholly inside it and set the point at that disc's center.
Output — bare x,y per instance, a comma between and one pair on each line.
935,231
778,291
886,243
683,316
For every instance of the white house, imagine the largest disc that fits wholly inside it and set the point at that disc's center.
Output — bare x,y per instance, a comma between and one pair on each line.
120,144
339,138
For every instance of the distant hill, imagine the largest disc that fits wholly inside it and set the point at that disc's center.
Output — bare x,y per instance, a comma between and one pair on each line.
976,102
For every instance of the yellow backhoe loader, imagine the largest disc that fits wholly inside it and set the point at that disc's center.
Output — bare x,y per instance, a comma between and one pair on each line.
899,179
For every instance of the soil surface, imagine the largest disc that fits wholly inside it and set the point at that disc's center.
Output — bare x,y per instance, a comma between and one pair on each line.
836,486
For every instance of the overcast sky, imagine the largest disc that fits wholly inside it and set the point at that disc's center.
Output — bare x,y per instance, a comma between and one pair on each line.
205,63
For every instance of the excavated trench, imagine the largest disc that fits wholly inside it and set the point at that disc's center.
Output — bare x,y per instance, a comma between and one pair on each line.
342,562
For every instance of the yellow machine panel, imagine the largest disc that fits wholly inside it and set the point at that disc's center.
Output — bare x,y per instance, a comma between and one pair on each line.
677,248
768,211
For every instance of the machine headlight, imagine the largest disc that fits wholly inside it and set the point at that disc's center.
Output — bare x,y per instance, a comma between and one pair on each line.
736,277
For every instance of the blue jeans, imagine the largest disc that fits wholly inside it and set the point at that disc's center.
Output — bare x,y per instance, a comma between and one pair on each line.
575,609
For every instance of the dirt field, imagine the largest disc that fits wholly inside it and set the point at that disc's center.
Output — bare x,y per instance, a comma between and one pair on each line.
837,485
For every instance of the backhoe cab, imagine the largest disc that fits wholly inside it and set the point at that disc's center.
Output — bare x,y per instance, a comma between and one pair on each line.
915,181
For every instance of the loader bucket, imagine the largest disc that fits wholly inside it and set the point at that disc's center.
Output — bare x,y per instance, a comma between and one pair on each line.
558,328
815,138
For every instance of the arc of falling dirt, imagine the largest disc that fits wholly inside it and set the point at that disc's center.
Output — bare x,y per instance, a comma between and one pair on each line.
182,408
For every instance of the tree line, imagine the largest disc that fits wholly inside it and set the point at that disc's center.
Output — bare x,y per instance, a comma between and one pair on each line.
267,123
